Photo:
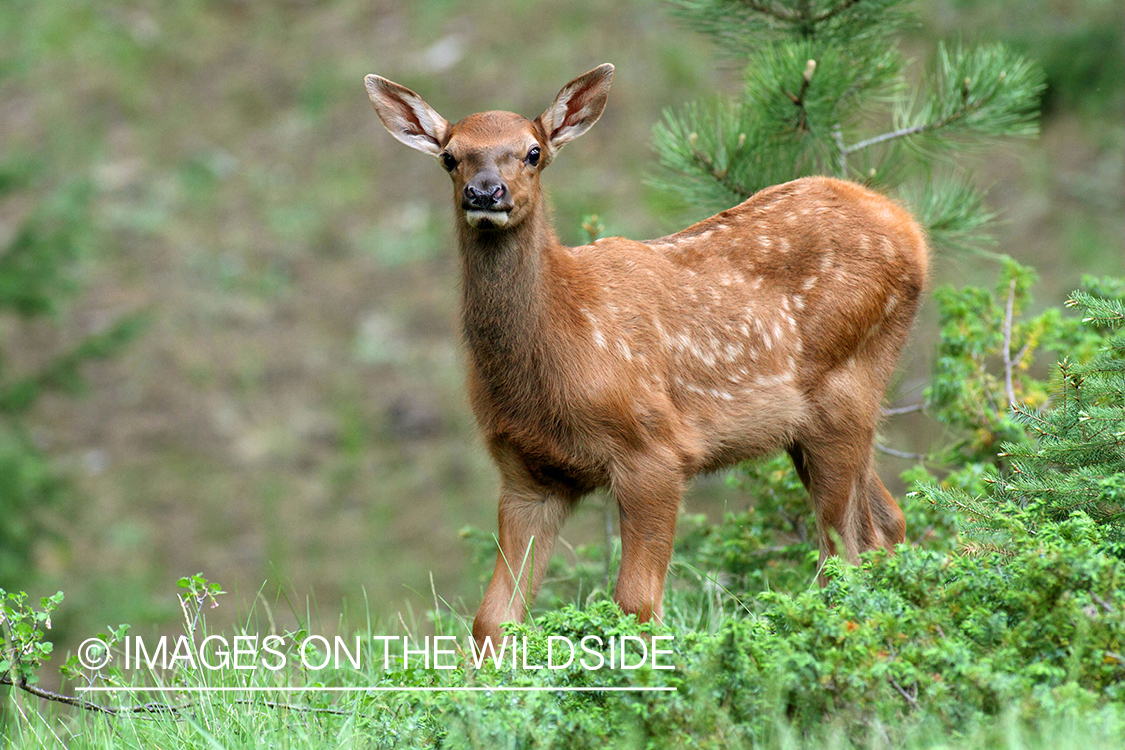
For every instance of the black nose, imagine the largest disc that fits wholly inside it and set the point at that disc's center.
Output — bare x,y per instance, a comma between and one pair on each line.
484,192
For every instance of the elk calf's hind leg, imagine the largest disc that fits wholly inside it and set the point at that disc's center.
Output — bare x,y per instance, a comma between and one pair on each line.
850,502
890,524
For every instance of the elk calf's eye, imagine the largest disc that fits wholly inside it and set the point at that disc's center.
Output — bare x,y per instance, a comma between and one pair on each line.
448,161
533,156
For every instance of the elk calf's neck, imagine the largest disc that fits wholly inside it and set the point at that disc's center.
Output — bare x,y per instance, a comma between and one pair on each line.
633,366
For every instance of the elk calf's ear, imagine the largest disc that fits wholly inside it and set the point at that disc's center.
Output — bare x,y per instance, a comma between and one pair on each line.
577,107
406,116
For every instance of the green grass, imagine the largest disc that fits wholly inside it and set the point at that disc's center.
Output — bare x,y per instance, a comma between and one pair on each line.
731,691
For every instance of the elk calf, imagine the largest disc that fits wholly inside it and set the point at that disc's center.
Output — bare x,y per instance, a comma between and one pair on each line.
633,366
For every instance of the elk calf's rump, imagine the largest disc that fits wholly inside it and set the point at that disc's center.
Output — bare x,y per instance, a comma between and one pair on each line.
633,366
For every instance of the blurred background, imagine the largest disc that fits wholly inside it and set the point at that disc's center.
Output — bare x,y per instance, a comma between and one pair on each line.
291,417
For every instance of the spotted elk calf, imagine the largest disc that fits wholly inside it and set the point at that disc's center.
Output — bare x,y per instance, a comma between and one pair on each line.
634,366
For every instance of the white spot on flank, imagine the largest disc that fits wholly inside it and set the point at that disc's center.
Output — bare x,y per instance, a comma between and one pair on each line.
770,381
892,303
765,242
826,261
704,356
798,302
783,244
809,283
599,339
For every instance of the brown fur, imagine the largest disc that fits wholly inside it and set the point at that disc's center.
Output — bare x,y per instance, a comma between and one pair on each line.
634,366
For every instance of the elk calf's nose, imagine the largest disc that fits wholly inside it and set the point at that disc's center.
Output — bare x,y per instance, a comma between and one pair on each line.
484,193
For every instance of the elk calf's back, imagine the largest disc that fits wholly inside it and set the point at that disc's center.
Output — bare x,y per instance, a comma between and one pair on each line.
633,366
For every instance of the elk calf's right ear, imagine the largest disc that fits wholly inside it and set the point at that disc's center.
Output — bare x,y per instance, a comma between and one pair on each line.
406,115
577,107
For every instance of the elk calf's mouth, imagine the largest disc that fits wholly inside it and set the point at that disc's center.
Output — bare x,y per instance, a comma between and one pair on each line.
479,219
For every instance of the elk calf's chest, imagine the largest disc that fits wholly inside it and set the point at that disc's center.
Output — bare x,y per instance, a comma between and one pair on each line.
631,365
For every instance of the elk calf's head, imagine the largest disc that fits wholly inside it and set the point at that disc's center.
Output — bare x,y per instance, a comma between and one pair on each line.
772,326
494,158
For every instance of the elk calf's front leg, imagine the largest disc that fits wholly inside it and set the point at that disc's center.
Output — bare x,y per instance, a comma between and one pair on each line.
529,524
647,500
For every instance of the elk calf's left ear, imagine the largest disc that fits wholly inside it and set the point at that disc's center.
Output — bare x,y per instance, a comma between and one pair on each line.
406,115
577,107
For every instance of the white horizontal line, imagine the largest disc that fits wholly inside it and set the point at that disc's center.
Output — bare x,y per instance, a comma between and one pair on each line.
374,689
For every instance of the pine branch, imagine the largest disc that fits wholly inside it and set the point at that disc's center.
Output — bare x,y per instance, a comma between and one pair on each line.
773,11
928,127
986,90
959,114
721,175
799,98
801,16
